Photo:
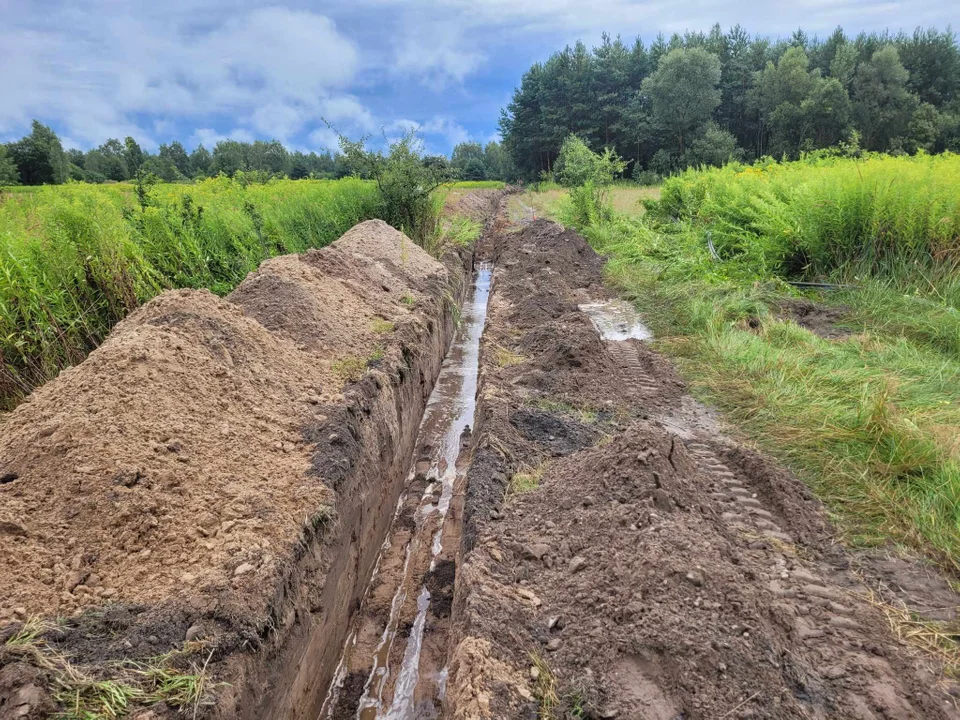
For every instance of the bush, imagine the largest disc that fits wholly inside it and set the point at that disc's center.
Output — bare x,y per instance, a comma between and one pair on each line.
588,174
405,183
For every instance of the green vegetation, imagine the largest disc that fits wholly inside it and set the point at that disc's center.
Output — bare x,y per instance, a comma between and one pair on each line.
76,259
709,98
176,678
527,478
406,184
39,159
869,417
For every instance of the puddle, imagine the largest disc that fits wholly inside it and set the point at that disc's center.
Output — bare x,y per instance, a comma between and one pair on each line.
616,320
396,683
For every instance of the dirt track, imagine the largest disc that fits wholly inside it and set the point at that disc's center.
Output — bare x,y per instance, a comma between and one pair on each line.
660,570
233,472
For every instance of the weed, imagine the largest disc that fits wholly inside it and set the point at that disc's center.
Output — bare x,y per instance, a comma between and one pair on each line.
349,369
380,326
526,479
506,358
545,689
408,299
82,694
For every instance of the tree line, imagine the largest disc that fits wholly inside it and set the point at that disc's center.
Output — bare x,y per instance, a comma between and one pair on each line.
39,159
707,98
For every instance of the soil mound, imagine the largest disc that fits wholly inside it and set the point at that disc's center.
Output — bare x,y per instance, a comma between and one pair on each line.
172,477
174,455
622,559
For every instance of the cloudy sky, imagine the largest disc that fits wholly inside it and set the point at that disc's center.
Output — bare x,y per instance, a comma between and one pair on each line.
201,70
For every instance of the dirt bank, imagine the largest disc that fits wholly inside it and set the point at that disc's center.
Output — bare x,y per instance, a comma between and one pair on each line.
207,482
621,558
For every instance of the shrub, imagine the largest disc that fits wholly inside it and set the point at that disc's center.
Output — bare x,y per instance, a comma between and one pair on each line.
405,183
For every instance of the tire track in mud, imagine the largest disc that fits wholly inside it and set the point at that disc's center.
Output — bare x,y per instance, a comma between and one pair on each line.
659,570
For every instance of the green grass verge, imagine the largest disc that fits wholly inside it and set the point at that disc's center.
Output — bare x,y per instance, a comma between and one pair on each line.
870,420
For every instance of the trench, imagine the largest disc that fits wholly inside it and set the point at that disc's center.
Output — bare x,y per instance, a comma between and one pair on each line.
393,664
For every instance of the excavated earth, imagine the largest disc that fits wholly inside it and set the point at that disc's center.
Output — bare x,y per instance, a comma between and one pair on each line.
209,479
299,493
658,570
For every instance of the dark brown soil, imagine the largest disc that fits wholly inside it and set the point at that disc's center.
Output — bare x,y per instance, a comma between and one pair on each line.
659,570
827,321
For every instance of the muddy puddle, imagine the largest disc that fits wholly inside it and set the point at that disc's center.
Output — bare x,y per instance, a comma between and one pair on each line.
393,663
616,320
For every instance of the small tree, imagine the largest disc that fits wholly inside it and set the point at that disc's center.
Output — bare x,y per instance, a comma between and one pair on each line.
8,169
405,182
589,175
715,147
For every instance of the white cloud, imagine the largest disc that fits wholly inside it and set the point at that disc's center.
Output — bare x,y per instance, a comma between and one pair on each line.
439,125
209,137
96,68
324,139
101,68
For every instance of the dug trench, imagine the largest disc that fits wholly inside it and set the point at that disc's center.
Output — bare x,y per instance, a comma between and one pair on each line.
622,556
293,497
190,517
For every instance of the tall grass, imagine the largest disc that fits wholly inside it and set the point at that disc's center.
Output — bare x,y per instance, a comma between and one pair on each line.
75,259
893,216
870,420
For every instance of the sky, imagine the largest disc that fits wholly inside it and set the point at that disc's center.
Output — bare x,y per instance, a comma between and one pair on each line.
199,71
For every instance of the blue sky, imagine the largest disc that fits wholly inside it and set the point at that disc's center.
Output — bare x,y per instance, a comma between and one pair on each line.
203,70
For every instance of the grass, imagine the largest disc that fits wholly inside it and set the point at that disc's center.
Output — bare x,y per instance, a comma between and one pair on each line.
526,479
544,689
548,200
628,198
85,694
872,420
76,259
381,326
504,357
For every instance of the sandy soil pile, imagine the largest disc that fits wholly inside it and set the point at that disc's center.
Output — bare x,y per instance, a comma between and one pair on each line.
657,570
173,462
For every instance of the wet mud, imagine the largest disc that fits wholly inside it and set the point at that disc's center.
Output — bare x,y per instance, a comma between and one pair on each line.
623,558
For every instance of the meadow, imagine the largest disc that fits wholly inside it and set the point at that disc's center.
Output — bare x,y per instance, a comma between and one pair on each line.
867,412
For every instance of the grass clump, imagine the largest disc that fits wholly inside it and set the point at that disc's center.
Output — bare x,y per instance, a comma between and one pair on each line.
84,693
870,420
526,479
504,357
380,326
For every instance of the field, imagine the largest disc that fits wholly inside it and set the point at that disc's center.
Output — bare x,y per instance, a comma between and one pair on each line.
857,388
505,483
76,259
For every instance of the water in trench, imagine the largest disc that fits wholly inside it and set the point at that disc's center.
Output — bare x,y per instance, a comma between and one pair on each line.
394,657
616,320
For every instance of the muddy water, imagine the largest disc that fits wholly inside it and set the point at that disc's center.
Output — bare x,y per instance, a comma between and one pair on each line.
616,320
395,653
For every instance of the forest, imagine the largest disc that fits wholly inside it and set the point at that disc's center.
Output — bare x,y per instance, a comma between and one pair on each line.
40,159
708,98
698,99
